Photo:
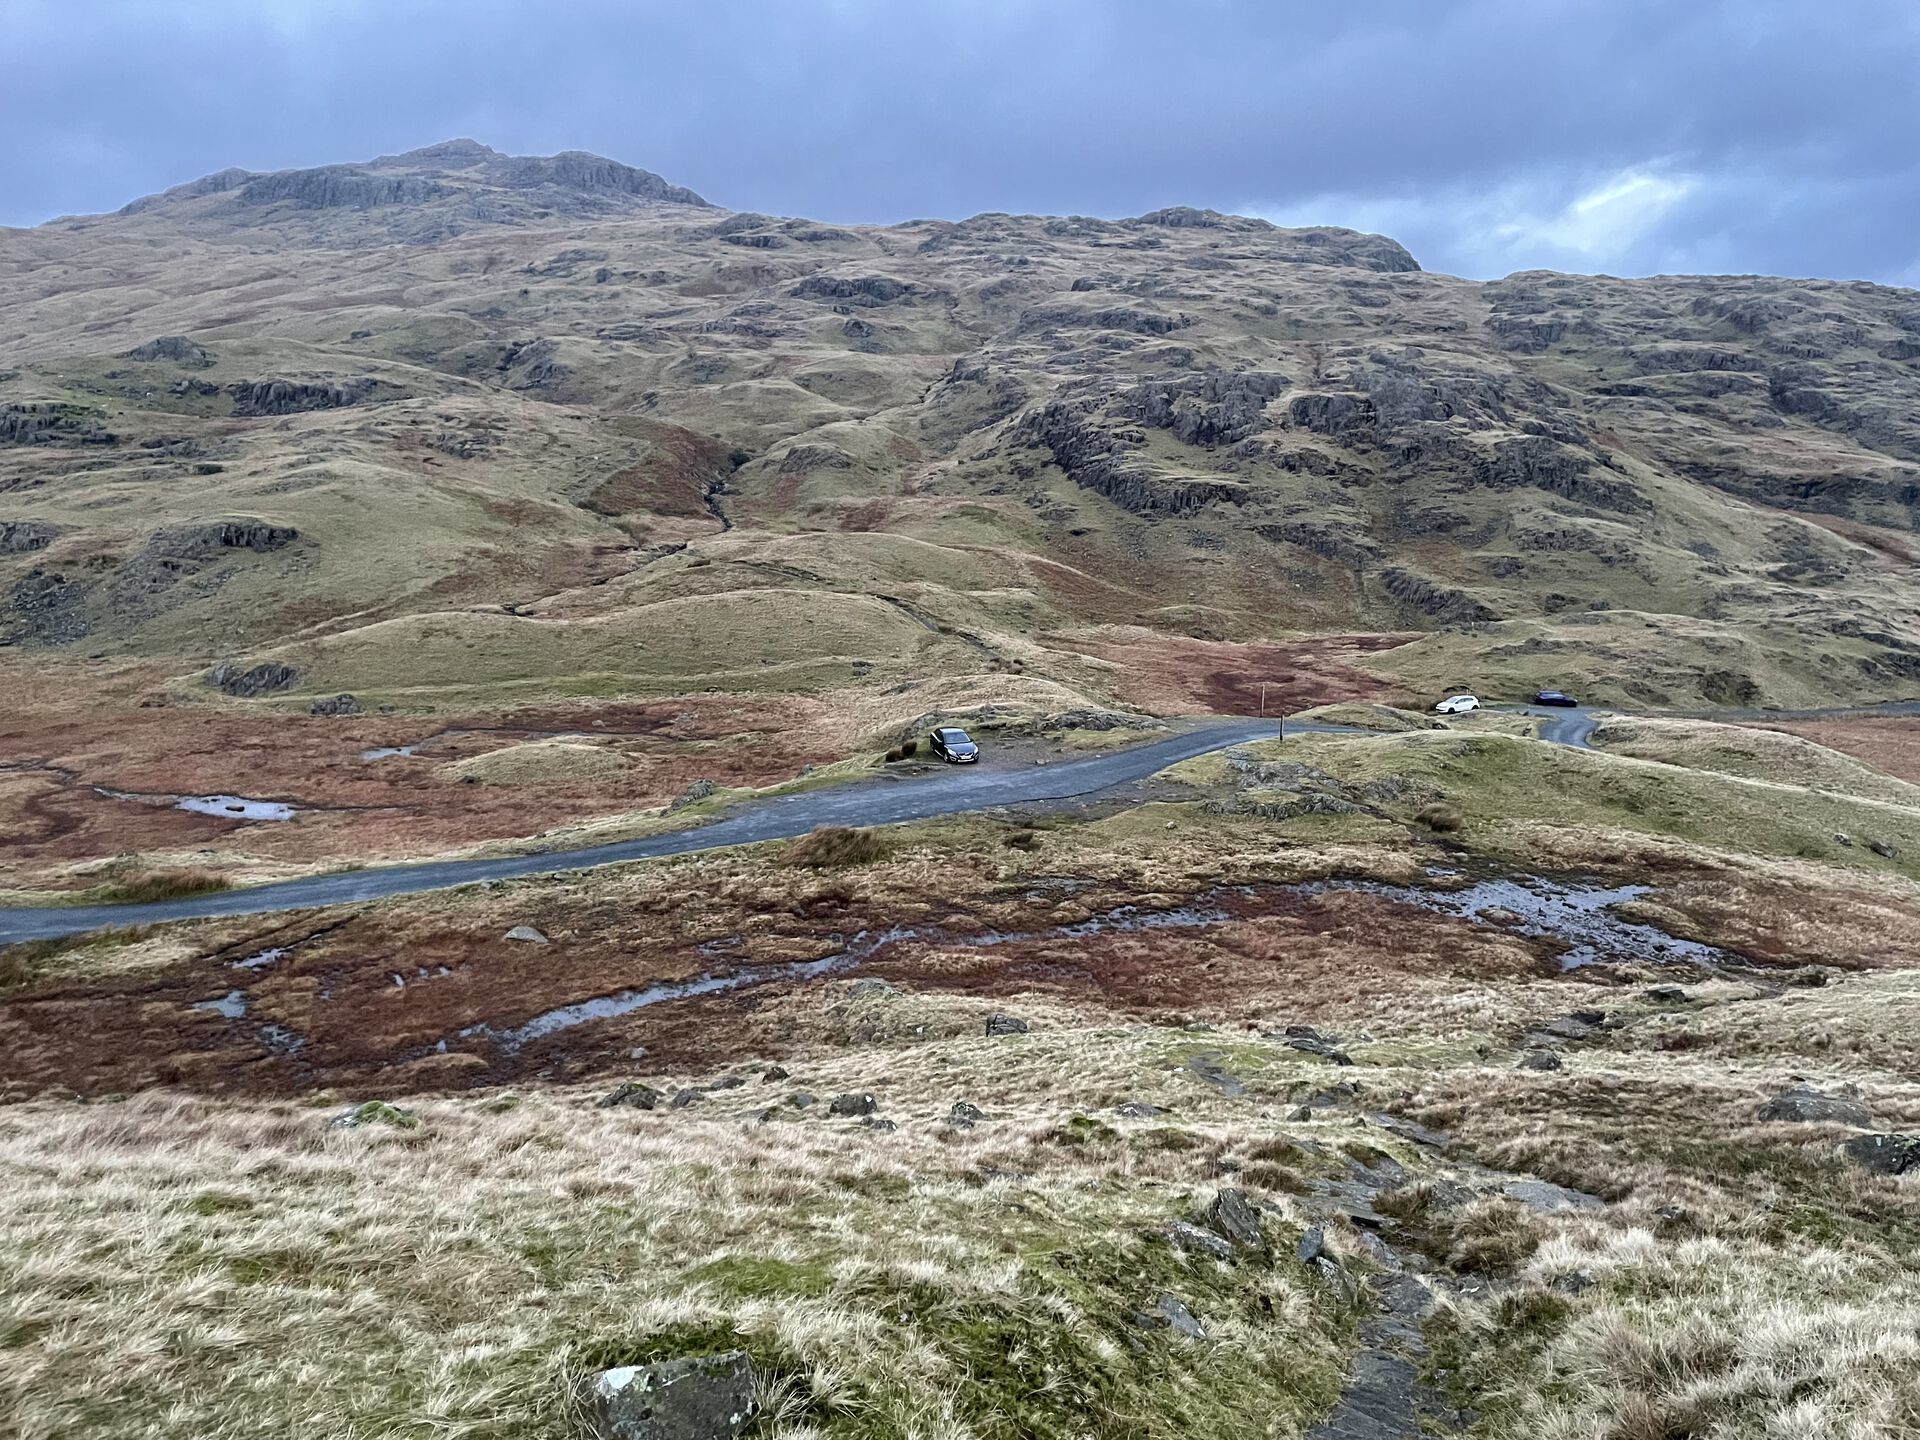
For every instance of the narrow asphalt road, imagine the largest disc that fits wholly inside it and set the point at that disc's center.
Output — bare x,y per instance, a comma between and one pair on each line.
881,800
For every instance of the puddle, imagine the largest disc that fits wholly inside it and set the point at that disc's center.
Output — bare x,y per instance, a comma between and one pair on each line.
231,1006
607,1007
1580,915
260,961
1575,913
235,807
387,752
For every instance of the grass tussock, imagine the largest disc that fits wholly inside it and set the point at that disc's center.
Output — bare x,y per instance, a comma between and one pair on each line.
1440,818
142,886
835,847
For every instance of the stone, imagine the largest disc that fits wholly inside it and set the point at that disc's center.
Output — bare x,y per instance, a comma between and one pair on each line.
1310,1041
774,1072
1541,1060
852,1104
1232,1217
683,1098
697,791
376,1112
998,1024
700,1397
335,705
1137,1110
526,934
1884,1154
1665,995
1175,1316
1192,1239
1842,838
1216,1075
965,1115
1580,1025
801,1100
1312,1242
1413,1130
1803,1105
1543,1197
1884,850
878,1122
629,1094
1808,977
249,681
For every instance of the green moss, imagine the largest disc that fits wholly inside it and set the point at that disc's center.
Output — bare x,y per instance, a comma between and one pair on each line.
744,1277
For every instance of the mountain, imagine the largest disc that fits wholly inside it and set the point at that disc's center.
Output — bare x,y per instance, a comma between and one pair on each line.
452,427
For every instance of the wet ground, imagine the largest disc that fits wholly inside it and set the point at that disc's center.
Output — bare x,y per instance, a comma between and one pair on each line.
348,1003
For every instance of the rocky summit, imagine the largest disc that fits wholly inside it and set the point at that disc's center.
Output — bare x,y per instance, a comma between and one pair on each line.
534,406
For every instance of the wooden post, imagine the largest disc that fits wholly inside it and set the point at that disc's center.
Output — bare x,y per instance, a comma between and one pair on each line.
1263,699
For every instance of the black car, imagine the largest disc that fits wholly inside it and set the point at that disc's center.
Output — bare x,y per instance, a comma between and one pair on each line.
1555,697
953,745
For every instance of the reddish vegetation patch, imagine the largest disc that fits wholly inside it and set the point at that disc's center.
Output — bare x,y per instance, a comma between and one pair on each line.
1172,675
1891,544
1890,743
59,755
377,1003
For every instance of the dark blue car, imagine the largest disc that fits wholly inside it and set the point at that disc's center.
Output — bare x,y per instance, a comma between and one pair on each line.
1555,697
954,745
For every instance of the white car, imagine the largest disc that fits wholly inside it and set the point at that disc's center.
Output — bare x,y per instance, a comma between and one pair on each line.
1458,704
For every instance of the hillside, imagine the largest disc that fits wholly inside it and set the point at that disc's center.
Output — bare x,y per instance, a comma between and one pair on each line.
455,432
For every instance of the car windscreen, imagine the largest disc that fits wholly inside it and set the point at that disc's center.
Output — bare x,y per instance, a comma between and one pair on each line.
954,737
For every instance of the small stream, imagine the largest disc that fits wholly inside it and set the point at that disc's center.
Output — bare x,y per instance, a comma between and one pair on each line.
1577,913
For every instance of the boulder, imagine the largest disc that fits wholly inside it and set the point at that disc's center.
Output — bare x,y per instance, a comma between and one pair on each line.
852,1104
1665,995
335,705
1884,1154
527,934
1803,1105
965,1115
247,681
998,1024
1541,1060
1138,1110
1312,1241
1884,850
700,1397
630,1094
1232,1217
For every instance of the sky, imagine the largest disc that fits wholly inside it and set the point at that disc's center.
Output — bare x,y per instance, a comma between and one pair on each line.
1628,137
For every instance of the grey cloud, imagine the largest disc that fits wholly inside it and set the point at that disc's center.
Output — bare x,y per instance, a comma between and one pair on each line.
1787,128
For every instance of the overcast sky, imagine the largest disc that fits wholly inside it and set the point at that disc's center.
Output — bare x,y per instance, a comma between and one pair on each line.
1627,136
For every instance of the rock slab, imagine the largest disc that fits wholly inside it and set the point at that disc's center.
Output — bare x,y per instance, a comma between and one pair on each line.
701,1397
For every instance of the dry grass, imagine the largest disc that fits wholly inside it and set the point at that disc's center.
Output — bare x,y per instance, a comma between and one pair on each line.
833,846
1752,754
